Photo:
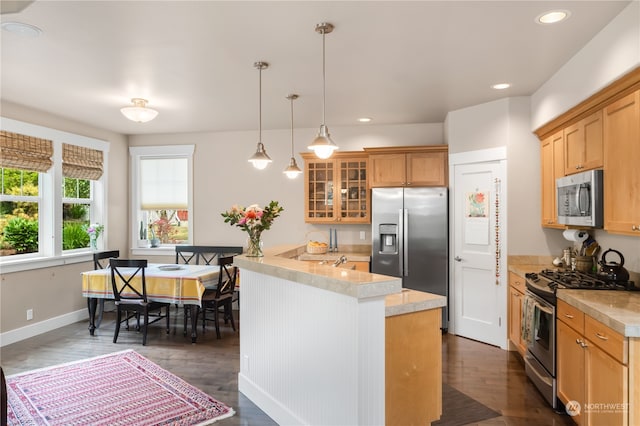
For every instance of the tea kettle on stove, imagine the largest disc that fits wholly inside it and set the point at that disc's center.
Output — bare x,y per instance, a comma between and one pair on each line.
612,271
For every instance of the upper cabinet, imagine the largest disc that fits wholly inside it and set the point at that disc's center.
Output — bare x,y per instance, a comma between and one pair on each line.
622,165
603,132
408,166
583,145
552,169
336,189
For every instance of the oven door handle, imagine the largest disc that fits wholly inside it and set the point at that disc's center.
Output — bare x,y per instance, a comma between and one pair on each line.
543,309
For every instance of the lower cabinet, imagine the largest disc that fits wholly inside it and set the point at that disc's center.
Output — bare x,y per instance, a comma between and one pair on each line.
570,367
413,368
516,299
593,369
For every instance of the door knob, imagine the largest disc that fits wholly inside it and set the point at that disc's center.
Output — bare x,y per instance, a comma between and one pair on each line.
457,259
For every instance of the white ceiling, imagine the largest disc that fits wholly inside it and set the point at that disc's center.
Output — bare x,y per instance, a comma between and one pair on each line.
397,62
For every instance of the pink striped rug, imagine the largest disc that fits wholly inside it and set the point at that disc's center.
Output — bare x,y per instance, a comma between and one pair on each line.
122,388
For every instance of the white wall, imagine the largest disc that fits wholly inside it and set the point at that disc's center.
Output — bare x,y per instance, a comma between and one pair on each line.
506,122
36,289
222,172
610,54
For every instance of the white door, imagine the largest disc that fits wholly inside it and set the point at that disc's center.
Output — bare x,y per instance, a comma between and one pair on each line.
479,262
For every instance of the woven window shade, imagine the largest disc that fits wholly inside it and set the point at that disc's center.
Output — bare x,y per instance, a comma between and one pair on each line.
81,163
25,152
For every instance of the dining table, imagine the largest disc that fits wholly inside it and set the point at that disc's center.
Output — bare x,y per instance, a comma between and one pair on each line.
179,284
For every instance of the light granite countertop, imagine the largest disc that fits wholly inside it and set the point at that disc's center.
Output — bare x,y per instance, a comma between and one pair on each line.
283,262
280,262
619,310
408,301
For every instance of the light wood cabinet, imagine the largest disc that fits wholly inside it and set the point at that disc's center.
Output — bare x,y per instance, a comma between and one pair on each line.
583,145
592,368
413,368
552,168
622,165
408,166
516,299
336,190
570,367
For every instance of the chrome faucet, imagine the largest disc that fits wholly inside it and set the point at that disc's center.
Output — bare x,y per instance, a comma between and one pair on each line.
342,259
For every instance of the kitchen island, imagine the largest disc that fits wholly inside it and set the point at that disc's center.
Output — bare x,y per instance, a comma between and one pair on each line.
312,346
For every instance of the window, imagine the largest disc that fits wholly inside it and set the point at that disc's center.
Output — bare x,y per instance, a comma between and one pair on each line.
51,189
161,196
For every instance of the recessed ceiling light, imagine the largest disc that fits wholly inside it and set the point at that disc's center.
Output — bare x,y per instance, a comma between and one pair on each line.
552,16
364,119
501,86
22,29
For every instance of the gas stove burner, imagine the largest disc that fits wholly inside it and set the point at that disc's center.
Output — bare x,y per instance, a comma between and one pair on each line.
581,280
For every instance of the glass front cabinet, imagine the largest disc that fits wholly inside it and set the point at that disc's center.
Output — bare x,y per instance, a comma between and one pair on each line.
336,189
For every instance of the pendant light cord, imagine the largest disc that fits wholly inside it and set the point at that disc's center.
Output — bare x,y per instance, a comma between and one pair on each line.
324,84
260,104
292,98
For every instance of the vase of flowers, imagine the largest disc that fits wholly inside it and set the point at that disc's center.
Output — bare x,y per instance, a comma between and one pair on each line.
94,231
253,220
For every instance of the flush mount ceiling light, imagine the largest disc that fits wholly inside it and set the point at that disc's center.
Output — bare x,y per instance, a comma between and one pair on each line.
501,86
260,159
552,17
322,145
292,171
364,119
22,29
139,111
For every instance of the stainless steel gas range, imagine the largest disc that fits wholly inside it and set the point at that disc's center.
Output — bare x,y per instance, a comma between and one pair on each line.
539,320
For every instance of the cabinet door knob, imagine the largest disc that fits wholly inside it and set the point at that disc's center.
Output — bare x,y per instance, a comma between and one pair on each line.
568,316
634,228
457,259
579,341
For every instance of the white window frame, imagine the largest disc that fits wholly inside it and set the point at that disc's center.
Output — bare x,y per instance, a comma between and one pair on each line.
50,209
137,153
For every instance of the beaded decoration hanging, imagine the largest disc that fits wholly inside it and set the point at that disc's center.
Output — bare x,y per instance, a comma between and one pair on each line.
497,213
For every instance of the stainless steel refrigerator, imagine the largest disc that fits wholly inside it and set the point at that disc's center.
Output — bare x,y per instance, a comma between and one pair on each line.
410,229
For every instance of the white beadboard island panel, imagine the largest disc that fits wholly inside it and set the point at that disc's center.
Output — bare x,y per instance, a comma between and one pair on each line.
312,341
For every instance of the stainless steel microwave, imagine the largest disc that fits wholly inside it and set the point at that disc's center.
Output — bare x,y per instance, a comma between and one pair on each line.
580,199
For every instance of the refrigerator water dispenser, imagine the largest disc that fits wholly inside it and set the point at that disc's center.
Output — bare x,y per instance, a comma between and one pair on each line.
388,239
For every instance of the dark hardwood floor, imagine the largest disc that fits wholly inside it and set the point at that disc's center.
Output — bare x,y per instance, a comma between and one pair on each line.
488,374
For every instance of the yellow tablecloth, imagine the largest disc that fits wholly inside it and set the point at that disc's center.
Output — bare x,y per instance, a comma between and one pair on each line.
183,286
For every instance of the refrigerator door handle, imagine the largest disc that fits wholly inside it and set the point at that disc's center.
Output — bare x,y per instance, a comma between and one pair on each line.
405,241
401,240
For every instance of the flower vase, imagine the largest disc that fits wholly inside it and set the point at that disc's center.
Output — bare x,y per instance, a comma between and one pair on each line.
93,243
254,246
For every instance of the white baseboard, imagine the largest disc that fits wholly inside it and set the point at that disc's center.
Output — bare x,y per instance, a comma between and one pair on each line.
32,330
273,408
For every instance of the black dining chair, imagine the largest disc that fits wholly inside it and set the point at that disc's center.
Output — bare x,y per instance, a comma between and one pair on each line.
130,299
203,255
100,262
222,296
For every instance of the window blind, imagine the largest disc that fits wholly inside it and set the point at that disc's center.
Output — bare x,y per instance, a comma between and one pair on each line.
163,183
25,152
81,163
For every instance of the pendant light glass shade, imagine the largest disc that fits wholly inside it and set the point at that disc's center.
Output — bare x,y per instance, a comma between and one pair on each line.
139,111
292,171
260,159
322,145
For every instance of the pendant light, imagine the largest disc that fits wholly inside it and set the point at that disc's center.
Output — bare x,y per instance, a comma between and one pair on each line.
260,159
322,145
292,171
